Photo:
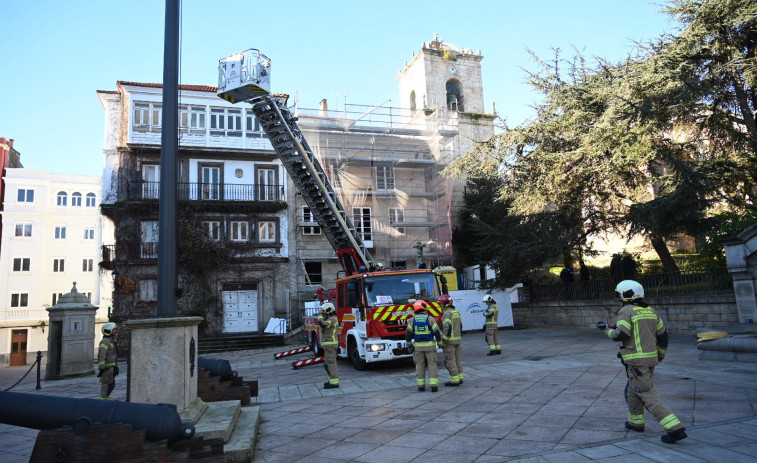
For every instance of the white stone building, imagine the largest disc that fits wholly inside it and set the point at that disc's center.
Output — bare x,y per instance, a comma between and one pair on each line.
52,237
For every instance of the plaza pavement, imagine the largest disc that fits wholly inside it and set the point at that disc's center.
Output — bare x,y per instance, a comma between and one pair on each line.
552,396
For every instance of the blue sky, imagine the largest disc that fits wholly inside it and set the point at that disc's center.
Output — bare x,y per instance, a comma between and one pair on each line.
56,54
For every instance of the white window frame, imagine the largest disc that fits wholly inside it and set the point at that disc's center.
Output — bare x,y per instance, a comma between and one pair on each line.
308,217
267,178
148,290
362,220
87,265
91,200
225,122
25,195
149,234
151,177
22,228
60,232
56,297
24,264
22,300
397,216
385,176
89,233
239,231
62,199
59,266
266,231
212,229
147,114
76,199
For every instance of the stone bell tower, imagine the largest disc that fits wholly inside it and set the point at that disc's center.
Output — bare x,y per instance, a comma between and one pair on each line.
441,92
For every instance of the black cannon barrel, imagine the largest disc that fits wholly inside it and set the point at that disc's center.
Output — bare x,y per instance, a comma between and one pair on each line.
217,367
36,411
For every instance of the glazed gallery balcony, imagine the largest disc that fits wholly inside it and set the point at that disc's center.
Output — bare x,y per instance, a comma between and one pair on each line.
209,192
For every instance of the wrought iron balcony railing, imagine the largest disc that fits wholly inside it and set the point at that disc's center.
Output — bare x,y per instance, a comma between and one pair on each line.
209,191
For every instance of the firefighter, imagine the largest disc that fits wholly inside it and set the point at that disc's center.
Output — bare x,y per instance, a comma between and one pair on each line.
106,360
421,331
452,329
329,333
490,326
644,344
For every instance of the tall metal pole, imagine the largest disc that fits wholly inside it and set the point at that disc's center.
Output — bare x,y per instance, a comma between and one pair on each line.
167,225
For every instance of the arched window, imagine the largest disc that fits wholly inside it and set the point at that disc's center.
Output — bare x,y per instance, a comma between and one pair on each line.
76,199
412,101
454,95
91,200
62,198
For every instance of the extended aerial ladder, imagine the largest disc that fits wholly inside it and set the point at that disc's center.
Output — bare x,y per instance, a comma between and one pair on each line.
245,77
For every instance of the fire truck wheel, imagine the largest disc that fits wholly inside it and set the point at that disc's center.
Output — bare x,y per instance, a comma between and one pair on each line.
357,362
315,347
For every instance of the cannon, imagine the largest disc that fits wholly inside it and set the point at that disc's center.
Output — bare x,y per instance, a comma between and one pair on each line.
217,367
42,412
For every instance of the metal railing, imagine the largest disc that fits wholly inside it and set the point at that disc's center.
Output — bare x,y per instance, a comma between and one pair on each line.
655,285
209,191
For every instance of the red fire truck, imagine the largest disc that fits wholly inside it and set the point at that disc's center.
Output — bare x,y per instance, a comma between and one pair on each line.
373,306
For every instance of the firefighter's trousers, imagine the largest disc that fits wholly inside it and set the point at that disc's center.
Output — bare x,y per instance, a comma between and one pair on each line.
453,354
425,358
329,354
107,382
641,394
492,337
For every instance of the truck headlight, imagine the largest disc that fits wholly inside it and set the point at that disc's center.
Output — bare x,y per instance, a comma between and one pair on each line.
375,347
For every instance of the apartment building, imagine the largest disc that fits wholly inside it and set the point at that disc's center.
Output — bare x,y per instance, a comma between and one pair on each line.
249,248
52,235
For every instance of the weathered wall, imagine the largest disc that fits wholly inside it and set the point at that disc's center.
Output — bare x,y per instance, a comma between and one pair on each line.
681,314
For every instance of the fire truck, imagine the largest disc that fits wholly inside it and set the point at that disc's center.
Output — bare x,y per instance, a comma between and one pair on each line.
373,305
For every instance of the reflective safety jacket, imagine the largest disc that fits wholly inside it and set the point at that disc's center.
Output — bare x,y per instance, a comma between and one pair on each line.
491,315
452,326
329,330
422,329
106,354
642,333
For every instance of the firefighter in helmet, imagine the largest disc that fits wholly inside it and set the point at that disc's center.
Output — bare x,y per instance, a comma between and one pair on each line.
644,344
491,326
106,360
452,330
329,339
422,330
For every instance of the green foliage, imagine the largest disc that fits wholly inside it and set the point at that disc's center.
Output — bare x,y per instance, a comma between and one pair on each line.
650,145
198,254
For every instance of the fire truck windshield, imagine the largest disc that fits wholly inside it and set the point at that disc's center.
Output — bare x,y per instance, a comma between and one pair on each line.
400,289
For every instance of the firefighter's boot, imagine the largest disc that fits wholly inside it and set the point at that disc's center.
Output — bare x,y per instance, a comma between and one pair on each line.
330,386
675,436
634,427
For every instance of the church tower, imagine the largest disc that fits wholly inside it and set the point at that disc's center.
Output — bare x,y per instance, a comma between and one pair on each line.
441,92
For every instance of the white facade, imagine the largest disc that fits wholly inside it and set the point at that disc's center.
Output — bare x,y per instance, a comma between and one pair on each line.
52,237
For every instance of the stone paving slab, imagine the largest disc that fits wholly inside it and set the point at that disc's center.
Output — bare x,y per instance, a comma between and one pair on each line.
552,396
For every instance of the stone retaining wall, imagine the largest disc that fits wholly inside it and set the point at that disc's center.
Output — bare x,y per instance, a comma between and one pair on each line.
681,314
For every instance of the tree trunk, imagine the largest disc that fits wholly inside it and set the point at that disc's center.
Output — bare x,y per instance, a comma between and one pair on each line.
668,263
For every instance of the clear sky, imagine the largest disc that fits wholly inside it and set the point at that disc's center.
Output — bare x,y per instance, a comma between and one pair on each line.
56,54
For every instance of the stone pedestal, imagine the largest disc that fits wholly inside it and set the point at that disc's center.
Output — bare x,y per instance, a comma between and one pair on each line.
163,361
71,342
741,255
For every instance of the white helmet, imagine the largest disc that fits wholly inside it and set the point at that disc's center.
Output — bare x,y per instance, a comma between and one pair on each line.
108,328
488,298
328,308
628,290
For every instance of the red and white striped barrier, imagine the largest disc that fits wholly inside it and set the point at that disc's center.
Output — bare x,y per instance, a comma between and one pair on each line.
303,363
299,350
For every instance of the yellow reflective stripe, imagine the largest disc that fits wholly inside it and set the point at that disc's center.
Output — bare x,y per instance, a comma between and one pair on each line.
348,318
313,327
660,325
625,324
670,421
640,355
636,419
423,343
377,312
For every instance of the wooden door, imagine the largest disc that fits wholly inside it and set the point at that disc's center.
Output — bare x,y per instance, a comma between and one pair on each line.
18,348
